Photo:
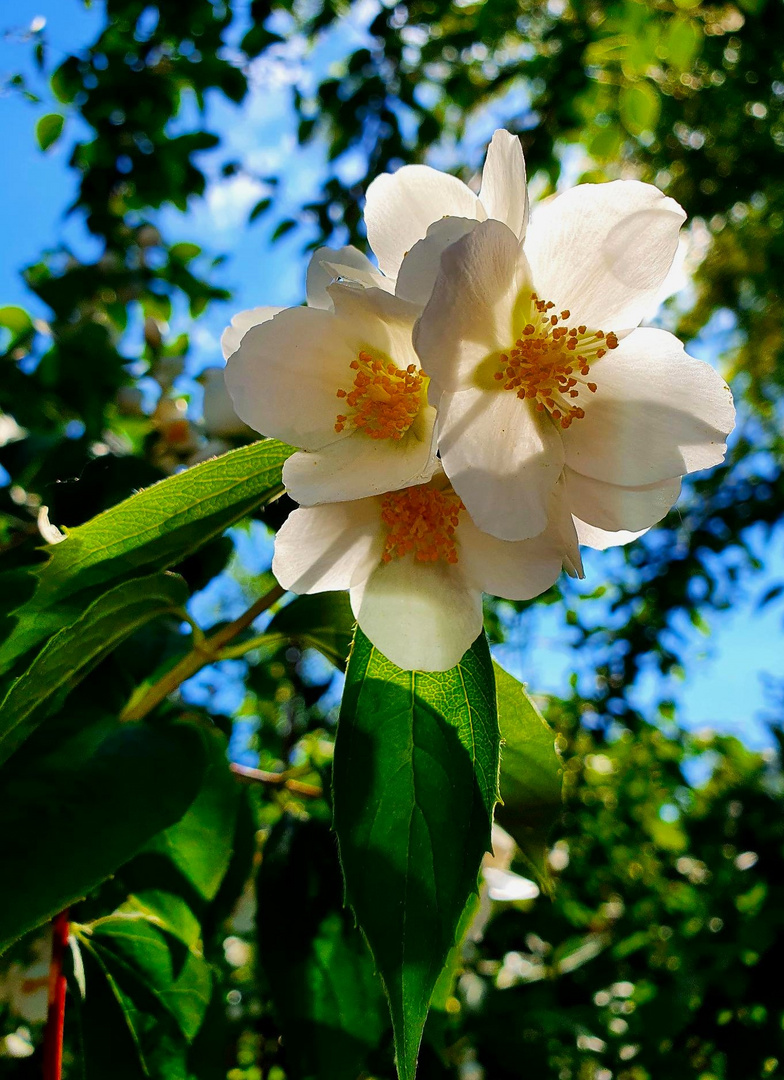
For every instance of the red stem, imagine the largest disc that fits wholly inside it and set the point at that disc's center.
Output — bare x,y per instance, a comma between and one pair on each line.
55,1014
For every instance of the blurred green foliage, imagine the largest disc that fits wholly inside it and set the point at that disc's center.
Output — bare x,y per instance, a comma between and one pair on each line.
659,954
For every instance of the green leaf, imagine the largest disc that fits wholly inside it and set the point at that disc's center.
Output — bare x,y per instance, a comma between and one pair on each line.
154,529
531,774
70,819
107,1044
72,652
184,251
148,1037
49,129
201,844
415,782
639,106
15,319
182,986
320,972
322,621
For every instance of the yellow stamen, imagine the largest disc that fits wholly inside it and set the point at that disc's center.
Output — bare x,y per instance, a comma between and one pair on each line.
384,401
549,360
421,521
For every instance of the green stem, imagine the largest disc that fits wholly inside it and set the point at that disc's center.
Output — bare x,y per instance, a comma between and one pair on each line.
204,652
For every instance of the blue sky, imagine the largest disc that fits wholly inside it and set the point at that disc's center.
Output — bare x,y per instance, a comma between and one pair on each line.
725,684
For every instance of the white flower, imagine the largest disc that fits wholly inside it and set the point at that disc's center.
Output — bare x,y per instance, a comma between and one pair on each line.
544,374
401,206
345,387
416,566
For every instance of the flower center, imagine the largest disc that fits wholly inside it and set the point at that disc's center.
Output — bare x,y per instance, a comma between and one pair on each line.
421,521
549,361
384,401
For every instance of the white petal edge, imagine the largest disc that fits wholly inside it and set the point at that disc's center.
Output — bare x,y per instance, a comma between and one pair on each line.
502,459
600,540
603,251
241,324
657,413
421,616
400,207
504,191
614,508
328,264
358,467
335,546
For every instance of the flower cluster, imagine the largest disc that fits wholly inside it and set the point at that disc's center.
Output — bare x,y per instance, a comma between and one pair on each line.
481,403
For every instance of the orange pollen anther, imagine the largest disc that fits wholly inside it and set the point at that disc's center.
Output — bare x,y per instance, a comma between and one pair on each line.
549,361
384,400
421,521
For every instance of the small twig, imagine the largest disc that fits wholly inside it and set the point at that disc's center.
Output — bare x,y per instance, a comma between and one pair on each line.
55,1013
278,780
204,652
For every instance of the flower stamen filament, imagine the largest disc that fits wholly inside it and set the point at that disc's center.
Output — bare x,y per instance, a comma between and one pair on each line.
421,521
550,360
385,400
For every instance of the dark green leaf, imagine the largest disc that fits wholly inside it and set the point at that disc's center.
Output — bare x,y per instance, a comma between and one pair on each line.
200,845
181,986
531,773
69,820
322,621
108,1046
153,529
49,129
147,1033
415,782
319,969
74,650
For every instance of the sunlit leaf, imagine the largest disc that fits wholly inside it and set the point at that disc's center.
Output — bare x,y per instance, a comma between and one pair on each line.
415,781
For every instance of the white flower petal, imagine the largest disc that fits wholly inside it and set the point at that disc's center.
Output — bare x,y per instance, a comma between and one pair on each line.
657,413
504,192
400,208
420,268
603,251
513,569
614,508
421,616
241,324
284,377
377,319
327,264
469,314
328,547
502,458
599,539
359,466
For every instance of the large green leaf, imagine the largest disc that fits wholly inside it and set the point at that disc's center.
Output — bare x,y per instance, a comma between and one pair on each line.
415,782
531,773
148,947
201,844
69,819
320,972
152,530
322,621
145,1035
73,651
